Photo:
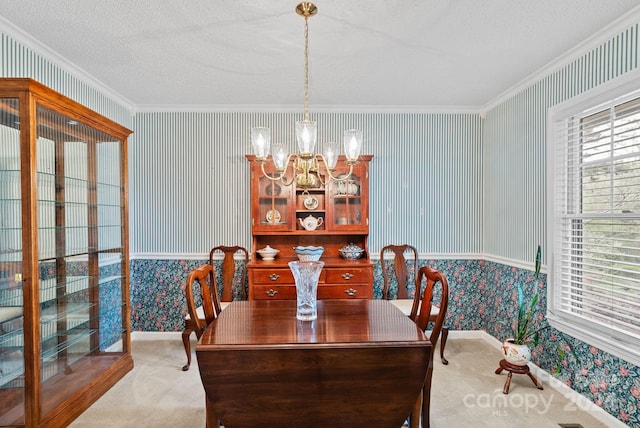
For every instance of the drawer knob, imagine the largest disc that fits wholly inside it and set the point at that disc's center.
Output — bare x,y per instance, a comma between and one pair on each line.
347,275
274,277
271,292
351,292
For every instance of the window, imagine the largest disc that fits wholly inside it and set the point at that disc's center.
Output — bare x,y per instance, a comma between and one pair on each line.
593,149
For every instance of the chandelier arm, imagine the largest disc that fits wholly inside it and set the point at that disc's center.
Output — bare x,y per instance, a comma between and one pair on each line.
284,182
331,176
264,173
324,183
281,176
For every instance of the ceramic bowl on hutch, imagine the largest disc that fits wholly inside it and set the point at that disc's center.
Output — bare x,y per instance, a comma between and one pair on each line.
268,253
351,252
308,253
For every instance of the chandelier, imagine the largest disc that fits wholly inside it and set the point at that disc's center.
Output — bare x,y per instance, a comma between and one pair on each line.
306,163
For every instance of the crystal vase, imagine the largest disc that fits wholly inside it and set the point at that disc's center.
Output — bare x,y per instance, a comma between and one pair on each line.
306,276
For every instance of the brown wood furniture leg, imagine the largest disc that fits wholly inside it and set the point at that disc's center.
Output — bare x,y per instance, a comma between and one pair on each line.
211,419
414,419
512,368
507,384
187,347
443,341
535,381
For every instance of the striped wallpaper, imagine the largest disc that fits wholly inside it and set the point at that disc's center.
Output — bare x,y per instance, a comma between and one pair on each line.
455,185
190,180
514,156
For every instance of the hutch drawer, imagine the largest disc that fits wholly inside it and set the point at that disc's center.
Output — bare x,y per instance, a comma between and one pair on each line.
344,291
348,275
325,291
272,291
276,275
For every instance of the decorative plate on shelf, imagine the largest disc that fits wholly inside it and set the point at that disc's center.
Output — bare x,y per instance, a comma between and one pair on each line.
311,202
273,216
273,189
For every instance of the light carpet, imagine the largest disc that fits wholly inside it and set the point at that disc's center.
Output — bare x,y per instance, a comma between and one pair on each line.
466,393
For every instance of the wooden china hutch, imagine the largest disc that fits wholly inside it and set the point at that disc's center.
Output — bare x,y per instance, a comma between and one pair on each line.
64,258
338,213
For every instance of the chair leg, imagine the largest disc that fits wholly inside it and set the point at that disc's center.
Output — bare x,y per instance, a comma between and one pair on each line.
443,341
187,347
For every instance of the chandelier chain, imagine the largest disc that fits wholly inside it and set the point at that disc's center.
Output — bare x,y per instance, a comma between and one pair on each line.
306,68
306,163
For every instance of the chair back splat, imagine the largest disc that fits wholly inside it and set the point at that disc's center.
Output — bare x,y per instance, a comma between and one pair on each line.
233,272
203,279
402,255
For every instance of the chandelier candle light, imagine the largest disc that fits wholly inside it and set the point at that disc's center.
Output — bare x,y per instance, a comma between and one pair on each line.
306,165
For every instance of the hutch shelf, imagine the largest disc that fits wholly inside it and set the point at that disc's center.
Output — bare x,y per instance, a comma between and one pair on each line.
332,214
64,272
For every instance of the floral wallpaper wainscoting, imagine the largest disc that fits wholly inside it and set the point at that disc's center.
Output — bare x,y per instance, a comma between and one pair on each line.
482,296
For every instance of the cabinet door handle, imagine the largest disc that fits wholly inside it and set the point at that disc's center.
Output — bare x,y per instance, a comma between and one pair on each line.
347,275
271,292
274,277
351,292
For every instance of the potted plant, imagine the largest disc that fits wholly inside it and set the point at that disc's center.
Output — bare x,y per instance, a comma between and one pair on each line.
526,328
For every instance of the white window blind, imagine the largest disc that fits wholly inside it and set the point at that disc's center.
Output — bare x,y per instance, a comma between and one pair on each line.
594,275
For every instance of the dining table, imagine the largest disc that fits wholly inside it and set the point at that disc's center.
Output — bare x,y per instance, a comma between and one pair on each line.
361,363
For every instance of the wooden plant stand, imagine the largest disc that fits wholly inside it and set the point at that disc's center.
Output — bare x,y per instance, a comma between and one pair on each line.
512,368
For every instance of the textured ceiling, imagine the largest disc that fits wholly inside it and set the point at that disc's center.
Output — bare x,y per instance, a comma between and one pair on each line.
405,55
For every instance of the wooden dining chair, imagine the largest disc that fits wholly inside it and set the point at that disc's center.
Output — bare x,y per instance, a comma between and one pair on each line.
233,273
431,278
397,279
230,282
203,278
198,317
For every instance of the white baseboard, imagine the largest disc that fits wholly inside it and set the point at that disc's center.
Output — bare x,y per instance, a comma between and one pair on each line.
141,336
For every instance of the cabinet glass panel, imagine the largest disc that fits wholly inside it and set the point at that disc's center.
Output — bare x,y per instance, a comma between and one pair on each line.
272,210
11,325
347,201
80,250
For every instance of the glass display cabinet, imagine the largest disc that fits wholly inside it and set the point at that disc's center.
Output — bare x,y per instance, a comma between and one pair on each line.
64,261
328,213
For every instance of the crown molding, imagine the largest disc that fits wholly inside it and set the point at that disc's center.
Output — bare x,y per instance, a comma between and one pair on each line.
167,108
606,33
41,49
